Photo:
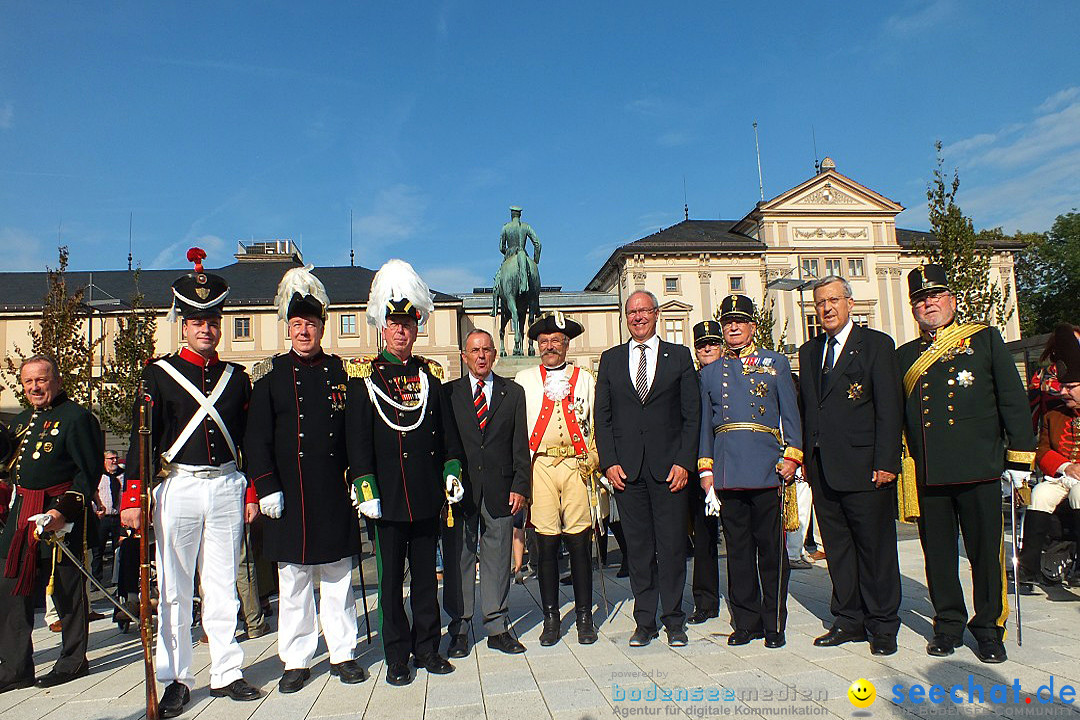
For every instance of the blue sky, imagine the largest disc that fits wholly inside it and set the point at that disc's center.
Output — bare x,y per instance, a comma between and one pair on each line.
214,122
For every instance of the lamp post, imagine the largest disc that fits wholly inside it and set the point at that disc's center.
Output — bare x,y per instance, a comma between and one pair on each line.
789,284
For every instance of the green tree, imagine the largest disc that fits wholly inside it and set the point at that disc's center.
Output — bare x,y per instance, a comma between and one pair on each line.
963,253
1048,276
61,335
133,348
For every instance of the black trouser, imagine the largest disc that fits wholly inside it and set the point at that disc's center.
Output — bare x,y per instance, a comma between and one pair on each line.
757,560
654,523
415,542
17,622
706,579
108,529
859,528
975,510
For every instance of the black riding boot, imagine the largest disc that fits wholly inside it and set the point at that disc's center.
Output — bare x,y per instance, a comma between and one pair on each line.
1036,526
547,575
581,572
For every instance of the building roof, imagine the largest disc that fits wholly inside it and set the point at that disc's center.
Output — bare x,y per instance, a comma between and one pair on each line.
908,238
686,236
250,283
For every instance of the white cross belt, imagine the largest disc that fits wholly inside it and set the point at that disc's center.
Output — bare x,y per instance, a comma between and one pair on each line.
206,409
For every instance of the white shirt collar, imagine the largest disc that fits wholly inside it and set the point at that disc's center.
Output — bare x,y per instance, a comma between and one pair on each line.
842,336
652,343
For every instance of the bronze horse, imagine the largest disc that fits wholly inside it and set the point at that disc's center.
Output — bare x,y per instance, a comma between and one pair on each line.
517,283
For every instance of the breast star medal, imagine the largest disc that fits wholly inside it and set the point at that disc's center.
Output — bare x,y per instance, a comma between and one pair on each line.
854,391
761,389
965,378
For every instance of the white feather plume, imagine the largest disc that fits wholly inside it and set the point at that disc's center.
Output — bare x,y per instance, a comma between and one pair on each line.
395,280
299,280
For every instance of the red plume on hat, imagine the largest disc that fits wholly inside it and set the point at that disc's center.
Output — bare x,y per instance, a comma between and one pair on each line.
196,255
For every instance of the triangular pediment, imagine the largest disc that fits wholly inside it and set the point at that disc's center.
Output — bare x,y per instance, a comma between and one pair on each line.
675,306
830,192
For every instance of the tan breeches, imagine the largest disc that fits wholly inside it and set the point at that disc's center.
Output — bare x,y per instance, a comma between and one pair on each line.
560,501
1047,495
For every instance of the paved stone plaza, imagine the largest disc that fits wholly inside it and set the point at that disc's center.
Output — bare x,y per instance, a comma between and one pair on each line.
575,681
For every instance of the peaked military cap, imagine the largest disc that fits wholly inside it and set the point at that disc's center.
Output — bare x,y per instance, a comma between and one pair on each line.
926,279
198,294
1067,354
707,330
552,322
735,307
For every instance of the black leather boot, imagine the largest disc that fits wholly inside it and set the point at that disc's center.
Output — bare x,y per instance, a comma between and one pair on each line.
581,573
547,576
1036,526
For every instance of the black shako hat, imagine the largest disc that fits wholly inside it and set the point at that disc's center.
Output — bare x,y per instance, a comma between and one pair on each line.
926,279
1066,354
707,330
737,307
552,322
198,294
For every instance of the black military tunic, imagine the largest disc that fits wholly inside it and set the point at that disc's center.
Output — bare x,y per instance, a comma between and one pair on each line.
295,444
58,445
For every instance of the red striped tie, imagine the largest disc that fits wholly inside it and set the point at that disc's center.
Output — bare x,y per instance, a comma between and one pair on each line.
480,403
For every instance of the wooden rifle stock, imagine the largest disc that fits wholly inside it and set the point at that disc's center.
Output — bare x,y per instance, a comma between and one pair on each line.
146,616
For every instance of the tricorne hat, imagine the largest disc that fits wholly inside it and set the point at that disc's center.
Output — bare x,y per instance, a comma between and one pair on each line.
552,322
1067,354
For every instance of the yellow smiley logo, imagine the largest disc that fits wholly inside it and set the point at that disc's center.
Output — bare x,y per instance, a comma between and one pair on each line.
862,693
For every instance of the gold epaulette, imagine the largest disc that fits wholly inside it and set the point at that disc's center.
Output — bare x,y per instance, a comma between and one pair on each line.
433,367
359,367
261,368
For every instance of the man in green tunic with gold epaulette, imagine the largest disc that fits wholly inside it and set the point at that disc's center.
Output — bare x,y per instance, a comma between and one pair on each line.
967,426
55,472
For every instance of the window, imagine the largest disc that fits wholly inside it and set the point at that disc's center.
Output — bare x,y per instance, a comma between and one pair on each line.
834,266
242,328
813,327
671,285
861,319
810,267
855,267
348,324
736,283
673,331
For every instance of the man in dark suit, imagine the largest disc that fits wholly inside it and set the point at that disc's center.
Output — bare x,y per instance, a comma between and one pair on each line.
490,414
853,410
648,410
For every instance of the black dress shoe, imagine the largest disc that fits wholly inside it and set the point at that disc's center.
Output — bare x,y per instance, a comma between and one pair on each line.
434,663
293,680
699,616
991,651
623,572
743,637
839,636
775,639
59,677
677,638
883,645
349,672
942,645
505,642
397,673
17,684
459,646
642,637
173,700
239,689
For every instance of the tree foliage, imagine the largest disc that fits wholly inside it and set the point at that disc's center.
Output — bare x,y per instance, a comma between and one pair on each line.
1048,276
133,348
963,253
61,335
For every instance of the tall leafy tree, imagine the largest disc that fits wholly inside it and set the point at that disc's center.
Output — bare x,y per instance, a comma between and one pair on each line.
964,255
62,333
133,348
1048,276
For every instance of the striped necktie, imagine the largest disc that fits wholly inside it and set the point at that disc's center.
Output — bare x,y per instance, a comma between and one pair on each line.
480,403
641,383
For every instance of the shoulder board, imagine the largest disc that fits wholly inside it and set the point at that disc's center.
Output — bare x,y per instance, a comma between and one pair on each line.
262,367
359,367
433,367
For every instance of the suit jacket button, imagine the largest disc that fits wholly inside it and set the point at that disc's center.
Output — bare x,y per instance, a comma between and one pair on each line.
404,454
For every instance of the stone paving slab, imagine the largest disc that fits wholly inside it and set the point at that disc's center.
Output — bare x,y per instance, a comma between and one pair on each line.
609,679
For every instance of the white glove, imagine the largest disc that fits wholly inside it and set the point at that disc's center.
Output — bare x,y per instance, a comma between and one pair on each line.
602,479
1017,478
1067,480
42,519
371,508
272,505
712,504
454,489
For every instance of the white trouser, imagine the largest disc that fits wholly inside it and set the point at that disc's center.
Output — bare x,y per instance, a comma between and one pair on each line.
1048,494
298,633
199,522
795,538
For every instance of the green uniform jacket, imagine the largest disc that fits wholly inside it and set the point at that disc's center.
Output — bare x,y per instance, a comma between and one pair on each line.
967,417
58,444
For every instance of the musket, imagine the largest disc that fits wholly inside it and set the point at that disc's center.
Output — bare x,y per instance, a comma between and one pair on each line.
1016,547
146,618
594,516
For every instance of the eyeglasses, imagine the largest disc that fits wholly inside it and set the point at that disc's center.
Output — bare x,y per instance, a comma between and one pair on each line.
706,344
646,311
932,298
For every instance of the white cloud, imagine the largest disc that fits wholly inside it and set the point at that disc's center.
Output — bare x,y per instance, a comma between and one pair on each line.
1060,99
921,17
674,138
23,251
7,115
395,215
453,278
175,255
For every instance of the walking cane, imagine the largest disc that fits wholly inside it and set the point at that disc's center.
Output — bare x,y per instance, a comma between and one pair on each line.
363,592
1016,569
783,549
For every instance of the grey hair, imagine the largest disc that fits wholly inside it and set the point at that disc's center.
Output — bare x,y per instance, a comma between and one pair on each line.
655,302
478,331
829,280
48,360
